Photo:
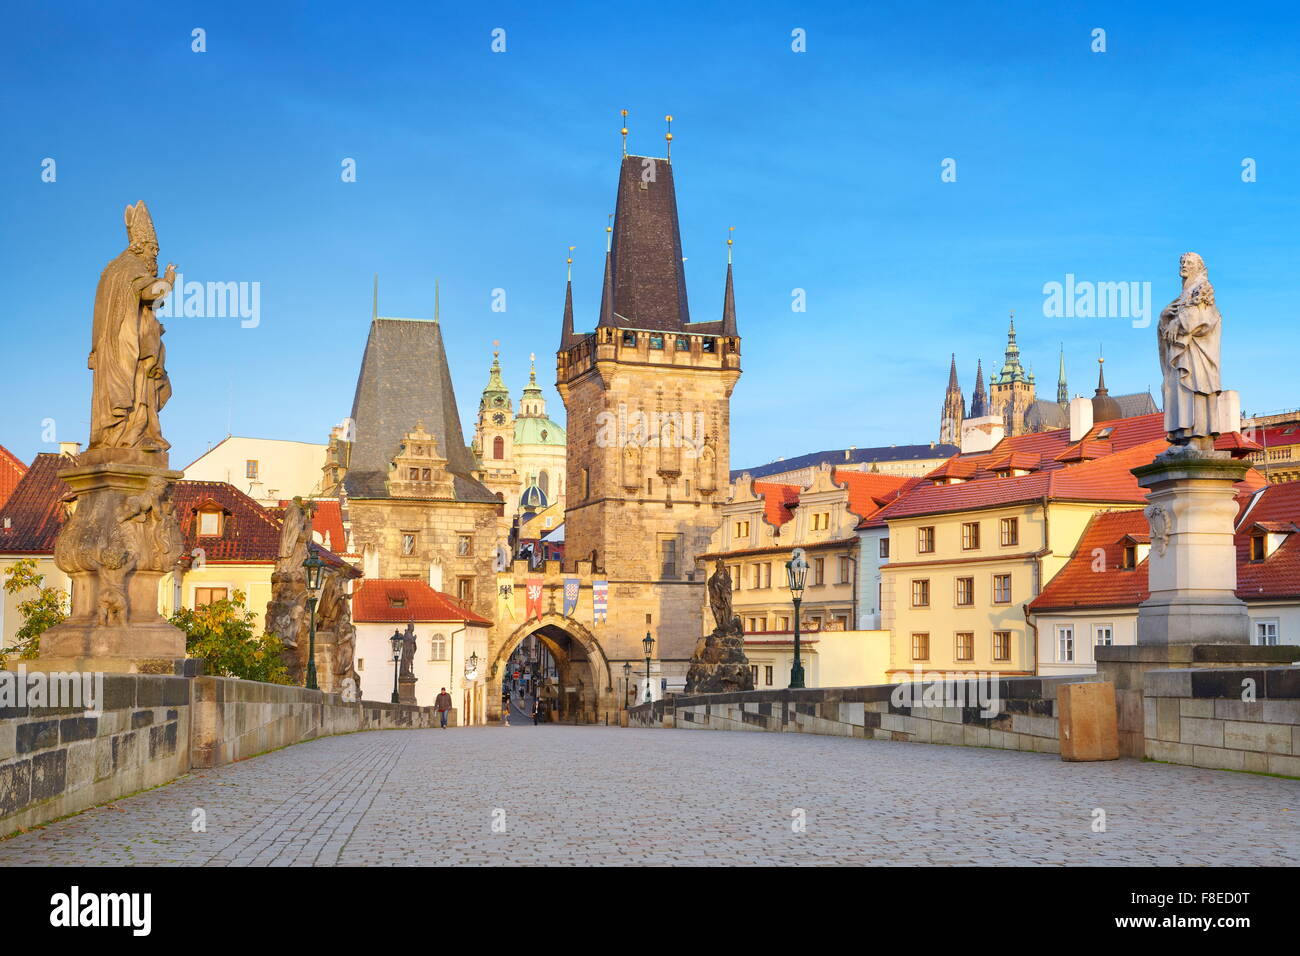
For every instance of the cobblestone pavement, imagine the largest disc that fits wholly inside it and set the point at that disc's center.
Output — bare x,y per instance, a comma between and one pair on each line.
583,795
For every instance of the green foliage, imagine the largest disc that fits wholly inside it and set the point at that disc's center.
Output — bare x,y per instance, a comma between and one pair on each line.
40,612
222,635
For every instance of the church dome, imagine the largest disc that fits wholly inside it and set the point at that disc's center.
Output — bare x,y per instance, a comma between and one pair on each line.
538,431
1104,408
533,498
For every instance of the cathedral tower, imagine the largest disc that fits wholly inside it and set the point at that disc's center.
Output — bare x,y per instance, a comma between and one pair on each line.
648,401
1012,389
954,409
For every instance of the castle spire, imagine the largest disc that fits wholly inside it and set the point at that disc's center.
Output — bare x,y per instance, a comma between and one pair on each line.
979,403
607,291
1062,392
954,409
729,296
566,331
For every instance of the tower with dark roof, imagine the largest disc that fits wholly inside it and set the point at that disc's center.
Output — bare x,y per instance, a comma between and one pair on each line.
1011,390
648,400
979,402
954,409
1104,408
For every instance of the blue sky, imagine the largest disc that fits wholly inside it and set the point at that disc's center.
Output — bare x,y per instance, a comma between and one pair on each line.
481,168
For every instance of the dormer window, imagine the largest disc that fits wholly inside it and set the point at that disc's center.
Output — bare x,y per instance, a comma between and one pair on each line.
1130,557
1105,432
1257,547
210,522
397,600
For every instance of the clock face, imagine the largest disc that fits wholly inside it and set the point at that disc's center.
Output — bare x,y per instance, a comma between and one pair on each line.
499,419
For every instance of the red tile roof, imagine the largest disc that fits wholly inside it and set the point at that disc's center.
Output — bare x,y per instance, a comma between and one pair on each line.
779,501
397,600
1078,586
869,491
11,472
33,514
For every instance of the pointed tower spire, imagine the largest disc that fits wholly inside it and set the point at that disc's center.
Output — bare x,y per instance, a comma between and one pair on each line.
1104,408
624,131
1062,392
979,403
566,331
607,293
729,296
954,409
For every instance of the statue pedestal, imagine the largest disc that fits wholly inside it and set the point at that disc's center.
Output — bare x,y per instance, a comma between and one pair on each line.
719,665
406,690
120,539
1192,568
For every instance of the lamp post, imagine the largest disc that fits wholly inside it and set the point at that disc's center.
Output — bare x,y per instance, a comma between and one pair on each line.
649,645
398,641
796,570
627,682
313,566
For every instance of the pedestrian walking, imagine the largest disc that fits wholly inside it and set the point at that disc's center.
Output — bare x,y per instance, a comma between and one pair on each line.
536,707
443,704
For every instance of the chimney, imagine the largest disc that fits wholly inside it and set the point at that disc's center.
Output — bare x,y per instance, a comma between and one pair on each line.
979,435
1080,418
69,448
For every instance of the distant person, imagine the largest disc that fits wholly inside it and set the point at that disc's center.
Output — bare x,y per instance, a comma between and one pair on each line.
537,706
443,704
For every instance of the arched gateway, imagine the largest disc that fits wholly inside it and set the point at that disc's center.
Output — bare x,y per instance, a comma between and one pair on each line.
586,685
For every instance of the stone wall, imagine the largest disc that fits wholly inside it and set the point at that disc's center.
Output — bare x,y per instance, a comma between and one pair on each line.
1198,717
1026,717
152,729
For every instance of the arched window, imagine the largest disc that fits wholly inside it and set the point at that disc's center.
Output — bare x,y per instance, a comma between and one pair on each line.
498,448
544,483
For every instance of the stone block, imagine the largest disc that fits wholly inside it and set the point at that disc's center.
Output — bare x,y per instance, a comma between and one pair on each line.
1087,725
1281,711
973,736
1201,733
1169,751
1035,726
1170,683
1235,709
1287,766
1168,715
1190,707
1259,737
37,735
1218,758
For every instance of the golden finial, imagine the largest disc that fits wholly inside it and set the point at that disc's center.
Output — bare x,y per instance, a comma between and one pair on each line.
496,349
730,229
570,262
624,132
609,233
669,136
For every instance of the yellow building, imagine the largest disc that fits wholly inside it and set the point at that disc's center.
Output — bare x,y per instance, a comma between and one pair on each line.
971,547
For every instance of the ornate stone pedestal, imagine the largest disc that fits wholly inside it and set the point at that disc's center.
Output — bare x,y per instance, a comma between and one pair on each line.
120,539
406,690
719,665
1192,568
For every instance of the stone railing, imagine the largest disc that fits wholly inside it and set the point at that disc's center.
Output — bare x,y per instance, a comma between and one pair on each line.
1017,713
147,730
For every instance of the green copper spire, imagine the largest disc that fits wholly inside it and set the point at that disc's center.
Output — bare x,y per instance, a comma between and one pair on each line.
496,394
1062,393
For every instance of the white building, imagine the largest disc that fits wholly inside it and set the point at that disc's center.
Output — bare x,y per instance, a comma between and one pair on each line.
268,470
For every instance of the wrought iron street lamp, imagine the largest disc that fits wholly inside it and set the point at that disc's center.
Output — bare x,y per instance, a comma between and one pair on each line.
313,566
471,667
796,570
398,642
627,682
649,645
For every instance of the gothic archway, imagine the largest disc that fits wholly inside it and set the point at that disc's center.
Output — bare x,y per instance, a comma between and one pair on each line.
586,680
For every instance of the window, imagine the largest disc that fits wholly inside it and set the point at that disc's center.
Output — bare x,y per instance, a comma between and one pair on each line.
413,474
438,647
657,341
1266,632
683,344
668,553
844,570
767,675
920,647
708,345
965,645
921,593
735,576
925,540
784,623
250,468
1065,642
465,590
753,670
821,520
1103,635
819,571
408,542
742,529
544,479
884,547
629,339
426,474
463,544
1130,557
1002,645
970,535
1001,589
205,596
841,621
965,592
1257,549
498,448
209,524
1009,529
586,483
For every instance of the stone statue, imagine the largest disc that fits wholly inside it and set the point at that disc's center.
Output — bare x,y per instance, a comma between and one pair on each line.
1189,332
334,623
720,595
286,612
408,653
718,664
130,384
122,535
